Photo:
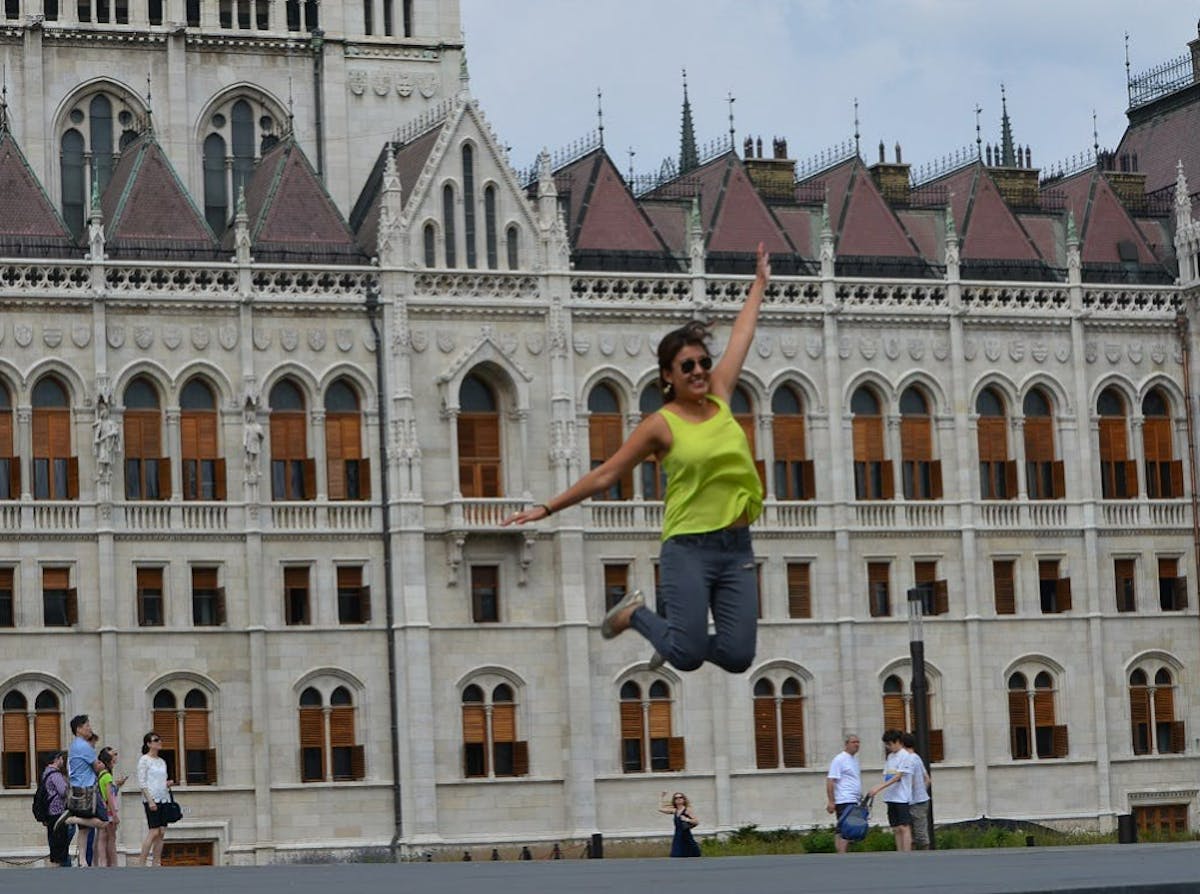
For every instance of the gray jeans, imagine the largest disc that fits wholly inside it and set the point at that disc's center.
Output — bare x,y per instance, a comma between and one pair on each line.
698,573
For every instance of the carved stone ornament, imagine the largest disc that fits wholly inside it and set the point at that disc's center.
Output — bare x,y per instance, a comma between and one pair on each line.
1158,352
845,345
509,343
1091,352
368,340
916,348
344,339
535,343
227,335
970,349
868,347
172,337
420,340
633,345
1136,353
991,349
446,341
316,339
1062,351
143,337
789,346
1039,351
427,85
1016,350
764,344
404,84
814,347
52,336
381,83
81,334
200,337
1112,352
607,345
289,339
1178,353
891,347
116,336
941,348
581,343
357,81
262,339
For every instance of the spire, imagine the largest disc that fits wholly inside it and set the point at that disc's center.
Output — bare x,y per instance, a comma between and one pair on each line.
856,128
978,133
689,158
1008,155
4,104
1183,201
731,99
464,75
1072,233
600,115
695,237
149,109
241,228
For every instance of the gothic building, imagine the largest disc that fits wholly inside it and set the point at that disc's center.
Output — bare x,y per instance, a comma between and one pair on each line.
284,336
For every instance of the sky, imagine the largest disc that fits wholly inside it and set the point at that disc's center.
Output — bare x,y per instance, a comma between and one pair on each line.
918,69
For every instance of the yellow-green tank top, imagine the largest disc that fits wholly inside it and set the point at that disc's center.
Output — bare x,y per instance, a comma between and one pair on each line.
711,479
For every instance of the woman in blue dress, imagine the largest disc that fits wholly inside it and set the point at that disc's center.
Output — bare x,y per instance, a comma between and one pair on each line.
683,844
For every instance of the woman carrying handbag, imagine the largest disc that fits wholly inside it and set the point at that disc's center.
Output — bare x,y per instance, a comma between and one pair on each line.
156,793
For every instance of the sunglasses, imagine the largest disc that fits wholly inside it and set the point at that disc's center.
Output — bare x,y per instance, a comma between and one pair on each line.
156,739
690,364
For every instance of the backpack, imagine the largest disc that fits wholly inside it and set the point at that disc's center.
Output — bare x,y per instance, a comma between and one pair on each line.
852,825
41,801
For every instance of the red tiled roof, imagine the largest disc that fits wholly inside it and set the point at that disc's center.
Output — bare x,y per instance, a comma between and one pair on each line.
736,218
410,161
1162,141
670,219
602,214
26,213
1048,233
925,228
1158,237
988,228
837,181
1101,220
867,226
803,226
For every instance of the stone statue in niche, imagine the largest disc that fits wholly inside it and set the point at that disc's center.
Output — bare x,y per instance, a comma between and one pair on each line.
106,440
252,440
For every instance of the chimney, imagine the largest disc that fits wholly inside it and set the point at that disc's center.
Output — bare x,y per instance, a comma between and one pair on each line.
774,178
892,179
1130,187
1018,186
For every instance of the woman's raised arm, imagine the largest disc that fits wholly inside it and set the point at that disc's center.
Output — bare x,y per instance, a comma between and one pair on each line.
728,370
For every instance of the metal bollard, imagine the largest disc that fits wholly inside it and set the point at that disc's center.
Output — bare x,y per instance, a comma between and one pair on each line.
596,851
495,853
1126,829
556,854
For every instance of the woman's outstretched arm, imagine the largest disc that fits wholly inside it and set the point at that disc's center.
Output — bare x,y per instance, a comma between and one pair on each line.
728,370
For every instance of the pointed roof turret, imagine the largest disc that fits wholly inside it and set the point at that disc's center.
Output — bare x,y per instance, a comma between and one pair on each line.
1008,154
689,157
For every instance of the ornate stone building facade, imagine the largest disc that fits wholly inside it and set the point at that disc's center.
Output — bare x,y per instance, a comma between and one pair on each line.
275,361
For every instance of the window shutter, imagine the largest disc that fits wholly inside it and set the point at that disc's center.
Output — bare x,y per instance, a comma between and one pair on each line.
1058,474
941,597
1181,593
210,766
1178,737
72,607
1060,741
1010,480
1062,593
341,727
220,606
993,439
631,720
335,471
1164,705
1043,708
1176,473
894,714
765,752
358,762
141,607
799,584
164,478
364,604
878,579
16,731
520,758
14,477
189,436
937,746
660,720
676,754
1018,720
504,723
47,726
219,475
310,479
868,438
489,480
474,725
935,480
1113,446
916,443
1131,481
791,711
364,478
195,730
808,477
167,728
889,480
72,478
1003,585
1139,716
312,736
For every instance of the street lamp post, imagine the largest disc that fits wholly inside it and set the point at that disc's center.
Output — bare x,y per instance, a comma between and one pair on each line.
920,687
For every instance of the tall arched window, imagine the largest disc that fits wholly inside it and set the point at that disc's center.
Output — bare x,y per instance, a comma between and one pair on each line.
185,731
55,469
873,478
47,726
898,714
512,244
1031,718
778,724
30,740
348,470
74,182
1152,714
368,17
10,463
794,475
1118,473
489,227
647,743
329,749
1164,473
147,470
448,229
468,173
605,436
302,15
15,712
429,234
997,475
479,460
237,133
1045,475
654,479
203,467
98,125
490,743
293,473
922,474
216,195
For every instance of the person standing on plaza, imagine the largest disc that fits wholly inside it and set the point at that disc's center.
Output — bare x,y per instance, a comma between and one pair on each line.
843,786
713,495
105,848
156,790
58,834
897,783
919,806
680,808
82,765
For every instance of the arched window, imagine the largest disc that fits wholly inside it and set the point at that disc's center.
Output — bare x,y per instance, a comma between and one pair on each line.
654,479
14,709
479,460
349,471
329,749
147,470
20,728
55,469
293,473
794,475
237,133
898,714
1118,473
47,726
1033,731
778,724
1164,473
10,463
490,743
1045,476
921,473
430,237
997,475
646,728
100,121
216,192
203,466
605,436
185,731
98,125
873,478
489,227
468,181
448,230
74,181
1152,714
512,244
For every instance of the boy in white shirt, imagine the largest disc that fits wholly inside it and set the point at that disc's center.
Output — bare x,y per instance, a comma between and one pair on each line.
897,782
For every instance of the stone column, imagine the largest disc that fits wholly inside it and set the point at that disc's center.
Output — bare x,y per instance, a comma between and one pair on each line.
317,450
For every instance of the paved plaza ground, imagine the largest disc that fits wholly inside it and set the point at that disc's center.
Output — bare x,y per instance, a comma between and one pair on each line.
1119,869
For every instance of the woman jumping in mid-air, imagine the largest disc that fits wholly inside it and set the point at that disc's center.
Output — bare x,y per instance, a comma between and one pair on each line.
713,494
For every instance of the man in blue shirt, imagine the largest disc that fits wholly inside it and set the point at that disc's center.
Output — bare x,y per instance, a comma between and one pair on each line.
82,765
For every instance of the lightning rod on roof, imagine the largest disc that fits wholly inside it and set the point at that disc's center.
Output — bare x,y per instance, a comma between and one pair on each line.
856,133
600,114
731,99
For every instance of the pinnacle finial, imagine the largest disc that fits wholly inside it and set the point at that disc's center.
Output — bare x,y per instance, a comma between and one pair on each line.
857,135
689,156
4,98
1072,232
149,107
600,114
731,99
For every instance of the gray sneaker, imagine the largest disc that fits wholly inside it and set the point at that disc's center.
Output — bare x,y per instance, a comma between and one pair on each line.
657,660
633,599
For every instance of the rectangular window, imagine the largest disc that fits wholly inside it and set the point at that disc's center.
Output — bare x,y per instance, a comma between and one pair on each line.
1124,575
156,12
799,587
8,608
616,584
193,13
354,600
150,597
1118,473
934,593
1172,589
1004,586
479,455
59,606
296,608
485,594
1054,592
879,589
208,599
203,470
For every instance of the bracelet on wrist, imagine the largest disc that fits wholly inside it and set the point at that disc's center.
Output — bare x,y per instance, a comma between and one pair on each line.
546,508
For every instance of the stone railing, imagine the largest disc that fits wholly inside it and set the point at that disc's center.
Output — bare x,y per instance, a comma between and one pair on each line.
1126,301
474,513
10,515
625,515
20,279
492,286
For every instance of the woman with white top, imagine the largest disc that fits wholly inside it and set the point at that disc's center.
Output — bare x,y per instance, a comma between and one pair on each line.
156,790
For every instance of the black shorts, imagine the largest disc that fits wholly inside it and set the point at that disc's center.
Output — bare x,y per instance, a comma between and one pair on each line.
899,814
154,818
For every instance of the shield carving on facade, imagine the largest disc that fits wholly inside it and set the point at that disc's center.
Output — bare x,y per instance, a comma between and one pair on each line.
1112,352
1062,351
814,346
941,348
991,349
535,343
427,85
81,334
227,335
970,349
789,347
508,343
404,84
1039,351
764,344
52,336
891,347
143,337
116,335
1136,353
581,343
316,339
446,341
1016,350
262,339
844,347
172,337
868,347
289,338
344,339
357,79
420,340
633,345
916,348
1158,351
200,337
381,83
1090,352
607,344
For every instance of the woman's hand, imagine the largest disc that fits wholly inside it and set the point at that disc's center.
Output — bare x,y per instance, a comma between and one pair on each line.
762,269
153,805
533,513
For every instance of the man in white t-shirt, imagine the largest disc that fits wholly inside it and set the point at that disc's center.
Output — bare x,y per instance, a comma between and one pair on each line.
897,783
843,785
919,806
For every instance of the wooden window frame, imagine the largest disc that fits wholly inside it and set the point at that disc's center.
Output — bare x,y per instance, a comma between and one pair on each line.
59,589
150,589
353,596
1004,586
799,589
1054,591
205,584
297,599
657,753
879,589
1125,584
481,576
616,583
8,596
1172,586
